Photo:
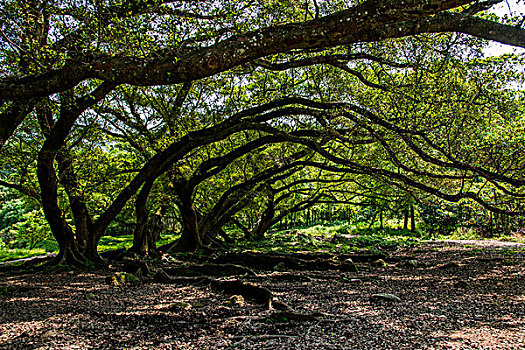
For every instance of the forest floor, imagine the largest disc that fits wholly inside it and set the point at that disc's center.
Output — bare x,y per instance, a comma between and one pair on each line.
452,295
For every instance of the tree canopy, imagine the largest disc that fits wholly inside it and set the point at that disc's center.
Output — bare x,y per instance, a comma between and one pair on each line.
213,112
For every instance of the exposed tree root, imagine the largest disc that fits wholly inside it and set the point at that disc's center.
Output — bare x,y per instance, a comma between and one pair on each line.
210,270
135,266
162,277
355,257
97,260
285,261
282,261
289,315
115,254
25,264
285,276
166,248
250,291
258,294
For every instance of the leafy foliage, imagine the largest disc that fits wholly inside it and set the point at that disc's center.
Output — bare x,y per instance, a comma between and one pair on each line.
196,116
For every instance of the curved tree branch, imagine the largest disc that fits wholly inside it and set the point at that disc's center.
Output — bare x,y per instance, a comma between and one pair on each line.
180,65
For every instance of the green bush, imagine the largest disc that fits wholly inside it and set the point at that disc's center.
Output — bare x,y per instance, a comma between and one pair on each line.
30,231
22,223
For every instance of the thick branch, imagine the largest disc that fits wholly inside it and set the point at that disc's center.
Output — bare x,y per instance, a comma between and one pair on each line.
178,66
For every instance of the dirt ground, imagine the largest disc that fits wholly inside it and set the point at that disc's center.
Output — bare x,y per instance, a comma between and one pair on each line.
457,295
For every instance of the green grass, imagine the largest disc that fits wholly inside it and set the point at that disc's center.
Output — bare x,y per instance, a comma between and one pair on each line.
47,246
356,237
126,241
460,234
50,246
115,242
319,238
168,238
14,254
508,238
470,234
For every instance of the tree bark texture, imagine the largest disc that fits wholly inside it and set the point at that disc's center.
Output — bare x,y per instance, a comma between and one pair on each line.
190,238
140,240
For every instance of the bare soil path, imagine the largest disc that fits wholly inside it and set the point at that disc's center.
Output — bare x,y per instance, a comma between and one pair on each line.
453,295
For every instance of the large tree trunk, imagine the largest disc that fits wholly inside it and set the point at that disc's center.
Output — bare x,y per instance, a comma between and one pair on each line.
405,218
140,241
190,238
56,135
91,249
154,230
373,220
265,222
69,252
83,222
412,219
